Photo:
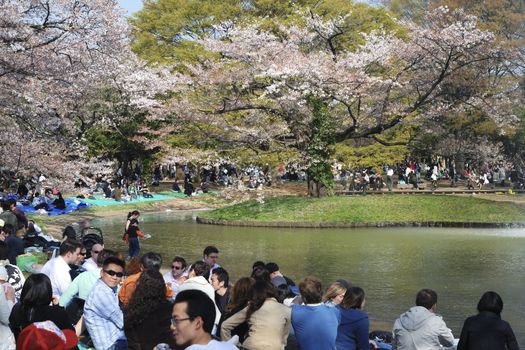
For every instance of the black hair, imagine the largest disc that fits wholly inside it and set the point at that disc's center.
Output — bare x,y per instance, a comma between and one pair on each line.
113,260
261,274
103,255
209,250
37,291
181,260
261,291
5,205
426,298
69,232
201,268
149,294
69,246
198,305
272,267
222,276
9,229
258,263
152,261
3,250
134,212
490,301
353,299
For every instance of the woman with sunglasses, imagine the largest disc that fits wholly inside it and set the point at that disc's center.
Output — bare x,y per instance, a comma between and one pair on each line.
35,306
147,317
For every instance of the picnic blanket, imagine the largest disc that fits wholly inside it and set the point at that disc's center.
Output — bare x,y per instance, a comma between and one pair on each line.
72,204
102,202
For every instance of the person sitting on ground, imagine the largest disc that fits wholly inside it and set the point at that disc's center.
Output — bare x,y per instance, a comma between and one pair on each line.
15,277
7,301
36,305
314,323
240,296
420,328
74,297
334,294
220,282
59,202
486,330
175,277
57,269
147,317
102,314
352,333
149,261
268,320
7,216
15,245
192,322
210,255
21,218
198,279
92,262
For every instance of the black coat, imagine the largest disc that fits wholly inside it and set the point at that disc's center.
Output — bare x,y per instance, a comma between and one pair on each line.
487,331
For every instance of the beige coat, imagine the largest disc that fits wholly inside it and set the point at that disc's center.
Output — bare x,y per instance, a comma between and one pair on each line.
269,326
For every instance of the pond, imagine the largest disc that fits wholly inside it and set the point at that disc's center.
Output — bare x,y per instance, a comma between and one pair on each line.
390,264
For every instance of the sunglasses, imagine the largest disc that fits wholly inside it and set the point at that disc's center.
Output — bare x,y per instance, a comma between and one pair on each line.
176,267
113,273
83,254
95,251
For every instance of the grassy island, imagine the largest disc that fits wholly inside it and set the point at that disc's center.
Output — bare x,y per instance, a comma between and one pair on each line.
362,210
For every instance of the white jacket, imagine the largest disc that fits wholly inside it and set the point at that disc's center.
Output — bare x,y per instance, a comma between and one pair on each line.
421,329
202,284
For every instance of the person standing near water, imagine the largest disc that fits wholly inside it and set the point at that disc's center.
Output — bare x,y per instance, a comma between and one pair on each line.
133,233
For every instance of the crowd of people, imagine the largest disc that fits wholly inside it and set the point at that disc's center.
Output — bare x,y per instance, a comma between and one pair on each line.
118,303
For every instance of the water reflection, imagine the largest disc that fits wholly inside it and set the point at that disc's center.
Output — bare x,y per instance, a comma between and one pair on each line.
390,264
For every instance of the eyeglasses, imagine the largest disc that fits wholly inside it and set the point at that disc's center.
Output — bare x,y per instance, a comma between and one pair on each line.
83,254
95,251
113,273
213,256
176,321
176,267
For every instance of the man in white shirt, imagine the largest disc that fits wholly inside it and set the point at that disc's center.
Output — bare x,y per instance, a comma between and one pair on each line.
91,263
192,322
57,269
176,277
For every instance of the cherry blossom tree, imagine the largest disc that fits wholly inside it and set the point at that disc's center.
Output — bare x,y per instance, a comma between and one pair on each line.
56,56
258,92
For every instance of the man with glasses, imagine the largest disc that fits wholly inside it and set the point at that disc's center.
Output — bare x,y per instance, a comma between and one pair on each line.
102,314
91,263
192,322
176,277
210,257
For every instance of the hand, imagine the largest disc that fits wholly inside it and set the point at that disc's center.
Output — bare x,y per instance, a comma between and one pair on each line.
54,301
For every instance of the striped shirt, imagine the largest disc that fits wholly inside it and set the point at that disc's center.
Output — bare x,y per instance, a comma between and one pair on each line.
103,316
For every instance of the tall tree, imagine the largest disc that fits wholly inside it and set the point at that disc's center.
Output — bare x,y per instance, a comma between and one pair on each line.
258,92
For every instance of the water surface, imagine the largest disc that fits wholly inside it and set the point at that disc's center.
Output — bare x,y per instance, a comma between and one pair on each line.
390,264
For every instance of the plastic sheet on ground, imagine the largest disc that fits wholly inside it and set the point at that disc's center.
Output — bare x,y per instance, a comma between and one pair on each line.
71,205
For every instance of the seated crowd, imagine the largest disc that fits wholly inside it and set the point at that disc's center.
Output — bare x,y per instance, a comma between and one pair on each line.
112,305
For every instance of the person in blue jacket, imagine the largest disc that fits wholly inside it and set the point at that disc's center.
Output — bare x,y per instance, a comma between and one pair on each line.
352,333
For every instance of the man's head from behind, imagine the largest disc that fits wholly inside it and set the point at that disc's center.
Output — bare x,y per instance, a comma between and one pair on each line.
427,298
311,290
193,317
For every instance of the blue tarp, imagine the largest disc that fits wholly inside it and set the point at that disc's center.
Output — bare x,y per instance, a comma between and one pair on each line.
71,205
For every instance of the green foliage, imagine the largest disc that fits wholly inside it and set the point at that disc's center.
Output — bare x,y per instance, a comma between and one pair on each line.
320,146
374,155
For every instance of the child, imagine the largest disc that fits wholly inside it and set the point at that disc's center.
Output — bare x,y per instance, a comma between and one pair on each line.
132,238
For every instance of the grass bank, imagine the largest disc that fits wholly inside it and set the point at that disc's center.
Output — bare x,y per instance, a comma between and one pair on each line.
371,209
